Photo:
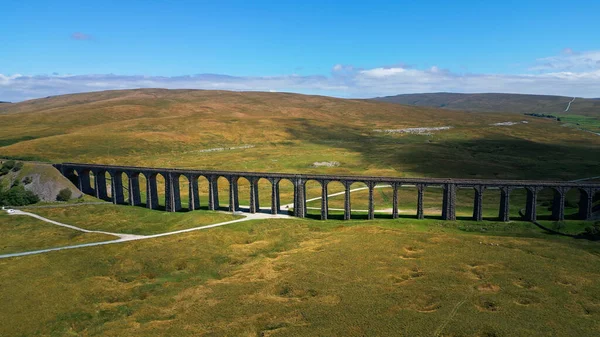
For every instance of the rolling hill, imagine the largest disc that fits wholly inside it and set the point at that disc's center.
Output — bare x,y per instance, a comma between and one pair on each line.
493,102
291,133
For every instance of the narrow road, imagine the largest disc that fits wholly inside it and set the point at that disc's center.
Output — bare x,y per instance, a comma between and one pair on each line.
569,105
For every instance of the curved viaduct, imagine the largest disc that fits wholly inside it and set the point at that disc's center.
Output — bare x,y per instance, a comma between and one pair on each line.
80,174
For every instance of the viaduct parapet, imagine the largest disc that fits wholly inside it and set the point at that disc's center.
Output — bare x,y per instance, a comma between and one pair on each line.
80,175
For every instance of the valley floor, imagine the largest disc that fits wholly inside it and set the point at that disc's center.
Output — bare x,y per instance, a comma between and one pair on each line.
301,277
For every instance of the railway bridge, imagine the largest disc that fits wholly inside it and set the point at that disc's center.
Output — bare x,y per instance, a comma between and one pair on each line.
80,175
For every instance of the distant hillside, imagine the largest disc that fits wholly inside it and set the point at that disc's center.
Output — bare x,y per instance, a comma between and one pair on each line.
284,132
513,103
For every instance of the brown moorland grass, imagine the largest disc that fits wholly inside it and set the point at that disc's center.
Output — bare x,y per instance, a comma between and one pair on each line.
22,233
289,132
307,278
130,220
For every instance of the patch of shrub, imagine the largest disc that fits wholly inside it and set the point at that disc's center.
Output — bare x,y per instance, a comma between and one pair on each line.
559,226
591,232
64,195
10,165
18,196
18,166
27,180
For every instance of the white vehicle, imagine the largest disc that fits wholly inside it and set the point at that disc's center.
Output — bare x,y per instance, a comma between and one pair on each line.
10,211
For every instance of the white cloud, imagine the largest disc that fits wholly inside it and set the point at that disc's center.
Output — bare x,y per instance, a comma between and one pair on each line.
383,72
569,60
570,74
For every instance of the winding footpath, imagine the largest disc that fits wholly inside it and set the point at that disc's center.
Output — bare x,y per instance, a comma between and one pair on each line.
127,237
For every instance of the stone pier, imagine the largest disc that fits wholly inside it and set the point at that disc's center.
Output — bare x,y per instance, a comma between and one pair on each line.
504,211
116,187
478,203
324,200
172,195
151,191
135,198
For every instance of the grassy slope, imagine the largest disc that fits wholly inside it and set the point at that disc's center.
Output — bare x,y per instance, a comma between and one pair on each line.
583,113
22,233
307,278
130,220
491,102
289,132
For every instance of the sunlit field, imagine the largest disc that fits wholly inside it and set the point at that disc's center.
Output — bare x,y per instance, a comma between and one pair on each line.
297,277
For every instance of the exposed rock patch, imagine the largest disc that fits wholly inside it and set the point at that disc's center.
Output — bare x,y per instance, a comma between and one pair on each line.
325,164
418,131
46,181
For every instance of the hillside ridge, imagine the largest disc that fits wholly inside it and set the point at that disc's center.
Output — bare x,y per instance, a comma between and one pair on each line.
500,102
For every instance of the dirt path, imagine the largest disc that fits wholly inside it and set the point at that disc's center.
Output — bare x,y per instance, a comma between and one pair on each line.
127,237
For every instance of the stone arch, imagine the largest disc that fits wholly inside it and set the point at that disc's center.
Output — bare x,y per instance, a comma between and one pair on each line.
143,188
383,200
263,190
243,184
84,182
407,200
71,174
359,200
519,196
155,190
285,189
467,202
586,201
313,190
492,200
223,191
334,201
550,203
433,195
575,201
203,191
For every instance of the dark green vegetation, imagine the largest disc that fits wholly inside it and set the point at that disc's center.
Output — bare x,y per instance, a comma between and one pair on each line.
15,194
64,195
307,278
10,165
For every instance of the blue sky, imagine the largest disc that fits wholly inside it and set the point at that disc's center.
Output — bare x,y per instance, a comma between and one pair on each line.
340,48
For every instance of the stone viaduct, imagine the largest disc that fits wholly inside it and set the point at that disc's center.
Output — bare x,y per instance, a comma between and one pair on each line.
80,174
